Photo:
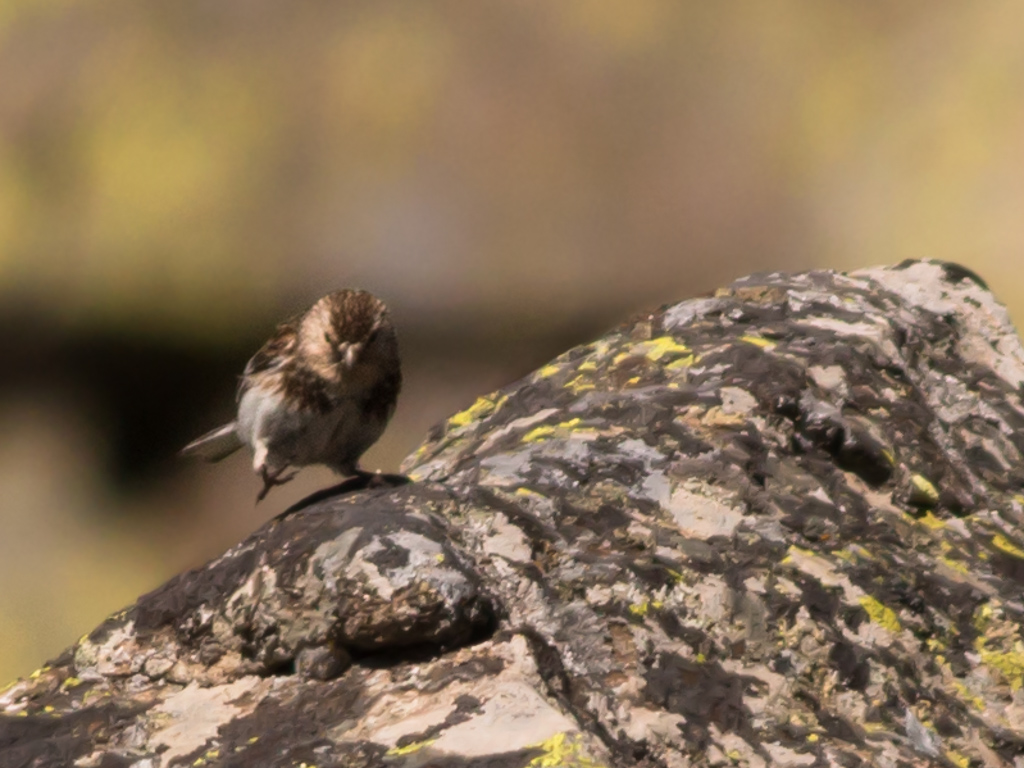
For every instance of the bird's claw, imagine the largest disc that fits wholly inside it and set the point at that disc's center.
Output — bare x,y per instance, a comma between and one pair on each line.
270,479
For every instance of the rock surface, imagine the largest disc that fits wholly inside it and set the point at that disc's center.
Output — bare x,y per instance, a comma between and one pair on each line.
776,527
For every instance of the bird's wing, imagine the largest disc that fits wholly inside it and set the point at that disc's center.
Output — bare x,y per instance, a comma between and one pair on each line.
273,354
215,445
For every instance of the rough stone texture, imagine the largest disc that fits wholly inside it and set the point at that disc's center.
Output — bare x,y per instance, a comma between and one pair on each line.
780,526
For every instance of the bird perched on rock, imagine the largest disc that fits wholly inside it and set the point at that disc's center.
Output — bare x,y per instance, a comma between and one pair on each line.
320,391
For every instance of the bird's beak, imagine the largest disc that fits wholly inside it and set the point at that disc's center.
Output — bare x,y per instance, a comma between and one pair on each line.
351,353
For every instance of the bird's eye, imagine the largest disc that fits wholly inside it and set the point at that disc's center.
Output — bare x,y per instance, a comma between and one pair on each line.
334,349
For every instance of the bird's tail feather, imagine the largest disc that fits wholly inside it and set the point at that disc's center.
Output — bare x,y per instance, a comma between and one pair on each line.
215,445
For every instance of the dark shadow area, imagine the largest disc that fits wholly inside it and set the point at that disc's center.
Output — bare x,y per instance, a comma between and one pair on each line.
364,481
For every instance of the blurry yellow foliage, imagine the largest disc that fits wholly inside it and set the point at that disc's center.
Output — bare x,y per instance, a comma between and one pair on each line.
632,27
14,11
12,211
384,77
169,158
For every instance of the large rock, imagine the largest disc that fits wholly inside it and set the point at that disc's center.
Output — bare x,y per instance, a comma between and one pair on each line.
779,526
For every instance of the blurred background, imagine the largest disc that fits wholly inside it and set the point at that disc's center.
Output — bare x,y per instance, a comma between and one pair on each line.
511,177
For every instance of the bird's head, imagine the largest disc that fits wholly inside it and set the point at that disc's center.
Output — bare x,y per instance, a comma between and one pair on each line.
347,334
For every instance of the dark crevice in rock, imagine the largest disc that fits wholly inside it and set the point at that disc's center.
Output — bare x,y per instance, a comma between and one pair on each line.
415,653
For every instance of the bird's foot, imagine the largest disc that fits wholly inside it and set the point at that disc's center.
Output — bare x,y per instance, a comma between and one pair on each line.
270,479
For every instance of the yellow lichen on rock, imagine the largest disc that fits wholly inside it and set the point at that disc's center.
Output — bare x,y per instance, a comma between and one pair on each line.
484,406
880,614
547,371
655,349
758,341
563,751
408,749
1000,542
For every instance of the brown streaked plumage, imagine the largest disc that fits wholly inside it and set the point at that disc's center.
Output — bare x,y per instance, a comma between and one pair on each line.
319,391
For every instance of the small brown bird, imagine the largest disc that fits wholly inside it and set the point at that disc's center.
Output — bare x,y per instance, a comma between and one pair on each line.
320,391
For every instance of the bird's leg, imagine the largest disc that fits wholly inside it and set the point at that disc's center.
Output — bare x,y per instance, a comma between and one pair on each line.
272,478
